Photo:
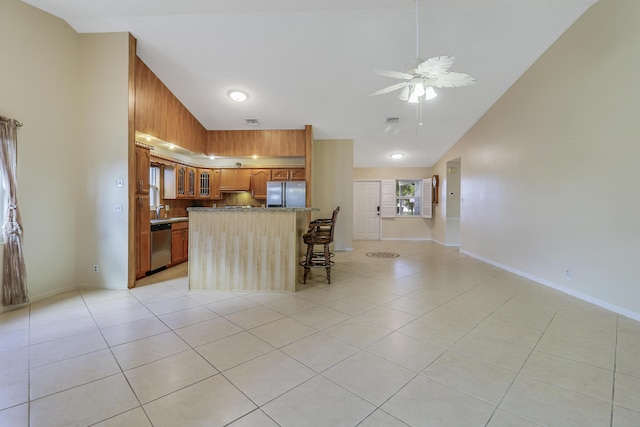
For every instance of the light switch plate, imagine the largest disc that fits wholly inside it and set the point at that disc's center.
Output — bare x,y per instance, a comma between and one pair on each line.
119,183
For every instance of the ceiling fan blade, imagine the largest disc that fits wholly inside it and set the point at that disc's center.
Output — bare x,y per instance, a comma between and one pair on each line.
390,88
394,74
435,66
454,80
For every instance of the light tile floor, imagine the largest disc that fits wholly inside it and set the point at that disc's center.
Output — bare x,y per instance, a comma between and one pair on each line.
432,338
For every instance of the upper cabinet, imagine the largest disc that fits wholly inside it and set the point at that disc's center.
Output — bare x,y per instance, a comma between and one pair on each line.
292,174
259,179
235,179
160,114
191,183
208,184
203,182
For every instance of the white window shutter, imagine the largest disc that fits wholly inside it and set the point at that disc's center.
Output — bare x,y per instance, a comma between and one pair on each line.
388,198
427,198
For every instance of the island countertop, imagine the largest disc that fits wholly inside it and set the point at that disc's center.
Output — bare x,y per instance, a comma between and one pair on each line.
240,249
249,209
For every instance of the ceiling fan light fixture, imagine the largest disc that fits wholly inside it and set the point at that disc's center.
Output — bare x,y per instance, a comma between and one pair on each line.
429,93
414,96
435,71
404,93
238,95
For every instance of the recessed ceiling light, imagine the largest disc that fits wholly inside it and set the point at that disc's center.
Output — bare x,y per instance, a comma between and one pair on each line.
238,95
397,156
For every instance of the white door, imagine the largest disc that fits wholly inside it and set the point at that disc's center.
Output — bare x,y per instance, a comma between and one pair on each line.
366,208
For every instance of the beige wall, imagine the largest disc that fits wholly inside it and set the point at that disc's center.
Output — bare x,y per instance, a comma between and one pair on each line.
103,150
549,174
399,228
39,87
48,85
332,176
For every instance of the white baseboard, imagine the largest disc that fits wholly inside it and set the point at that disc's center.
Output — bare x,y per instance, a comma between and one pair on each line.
450,245
588,298
408,239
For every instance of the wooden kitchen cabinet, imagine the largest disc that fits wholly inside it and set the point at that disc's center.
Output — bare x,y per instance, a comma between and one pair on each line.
203,181
259,178
142,211
185,182
181,181
235,179
143,163
142,235
208,184
190,191
280,174
297,174
179,242
215,184
290,174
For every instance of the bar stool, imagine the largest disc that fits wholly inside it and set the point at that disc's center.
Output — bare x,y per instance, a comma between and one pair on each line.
320,233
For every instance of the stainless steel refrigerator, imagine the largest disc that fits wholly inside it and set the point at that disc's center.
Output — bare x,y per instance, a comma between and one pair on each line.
286,194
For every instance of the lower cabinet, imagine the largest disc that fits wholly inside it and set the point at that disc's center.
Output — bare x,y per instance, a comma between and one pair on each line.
142,235
179,242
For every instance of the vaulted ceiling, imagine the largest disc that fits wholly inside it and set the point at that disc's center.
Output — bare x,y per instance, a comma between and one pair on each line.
312,61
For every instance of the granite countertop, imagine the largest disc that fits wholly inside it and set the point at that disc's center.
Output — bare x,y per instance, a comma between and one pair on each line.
249,209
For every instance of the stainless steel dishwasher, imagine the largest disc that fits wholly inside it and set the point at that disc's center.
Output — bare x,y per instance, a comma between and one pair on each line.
160,245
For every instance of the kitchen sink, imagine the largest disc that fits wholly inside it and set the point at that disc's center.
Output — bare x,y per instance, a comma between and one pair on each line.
169,220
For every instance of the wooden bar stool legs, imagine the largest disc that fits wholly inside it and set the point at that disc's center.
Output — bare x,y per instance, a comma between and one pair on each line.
320,233
317,259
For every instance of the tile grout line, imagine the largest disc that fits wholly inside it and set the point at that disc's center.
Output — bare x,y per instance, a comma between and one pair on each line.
615,361
520,372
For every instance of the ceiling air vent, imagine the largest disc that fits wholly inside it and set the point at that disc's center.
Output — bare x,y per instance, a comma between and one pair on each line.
392,125
252,122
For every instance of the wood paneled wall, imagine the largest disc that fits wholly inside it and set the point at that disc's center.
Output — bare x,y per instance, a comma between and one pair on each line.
160,114
264,143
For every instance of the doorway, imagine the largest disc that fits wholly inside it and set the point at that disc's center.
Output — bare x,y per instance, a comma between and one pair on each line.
366,208
452,235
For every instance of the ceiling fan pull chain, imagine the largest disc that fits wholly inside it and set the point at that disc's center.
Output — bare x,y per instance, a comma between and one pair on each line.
417,28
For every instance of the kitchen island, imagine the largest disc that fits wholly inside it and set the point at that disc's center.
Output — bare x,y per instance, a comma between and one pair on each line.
242,249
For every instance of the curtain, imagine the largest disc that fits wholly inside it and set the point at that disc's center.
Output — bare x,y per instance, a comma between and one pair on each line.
14,289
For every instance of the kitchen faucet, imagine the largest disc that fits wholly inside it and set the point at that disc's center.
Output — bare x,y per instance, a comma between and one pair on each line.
158,211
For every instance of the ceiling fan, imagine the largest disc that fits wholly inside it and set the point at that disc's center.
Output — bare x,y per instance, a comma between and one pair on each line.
423,75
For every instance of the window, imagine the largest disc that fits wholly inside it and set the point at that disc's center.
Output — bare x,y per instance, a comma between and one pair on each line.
405,198
154,186
408,197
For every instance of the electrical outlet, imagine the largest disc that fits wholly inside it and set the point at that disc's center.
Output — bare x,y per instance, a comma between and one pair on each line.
119,208
95,269
567,273
166,208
